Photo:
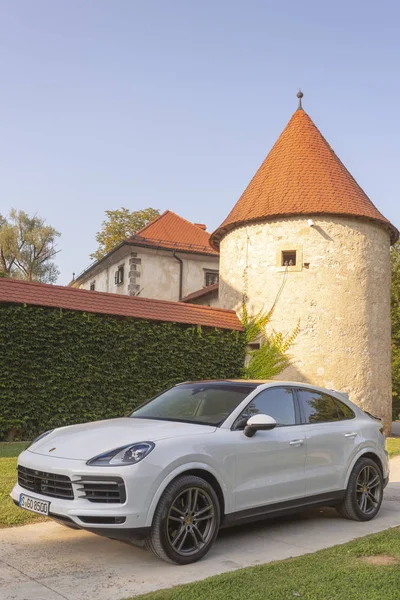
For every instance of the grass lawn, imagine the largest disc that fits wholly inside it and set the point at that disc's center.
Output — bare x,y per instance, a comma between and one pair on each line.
393,446
12,449
340,573
10,515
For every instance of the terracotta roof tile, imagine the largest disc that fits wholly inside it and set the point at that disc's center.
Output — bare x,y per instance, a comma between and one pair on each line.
40,294
301,176
203,292
172,231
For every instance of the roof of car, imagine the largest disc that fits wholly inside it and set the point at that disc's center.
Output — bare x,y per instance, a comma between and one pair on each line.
254,382
258,382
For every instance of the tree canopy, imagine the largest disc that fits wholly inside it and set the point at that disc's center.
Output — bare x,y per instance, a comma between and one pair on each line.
27,247
119,225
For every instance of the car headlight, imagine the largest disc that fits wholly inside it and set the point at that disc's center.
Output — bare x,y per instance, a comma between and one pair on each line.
127,455
42,435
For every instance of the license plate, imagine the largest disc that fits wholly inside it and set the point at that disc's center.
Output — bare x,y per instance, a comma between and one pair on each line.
33,504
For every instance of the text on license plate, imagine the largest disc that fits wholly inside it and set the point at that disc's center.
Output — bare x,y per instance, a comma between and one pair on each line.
33,504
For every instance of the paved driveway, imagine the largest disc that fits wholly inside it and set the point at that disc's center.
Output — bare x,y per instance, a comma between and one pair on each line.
48,562
396,428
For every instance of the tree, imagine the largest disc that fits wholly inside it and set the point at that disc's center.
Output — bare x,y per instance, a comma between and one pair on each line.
27,246
395,313
119,225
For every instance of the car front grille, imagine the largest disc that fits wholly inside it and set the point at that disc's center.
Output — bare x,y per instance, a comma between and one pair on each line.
46,484
110,490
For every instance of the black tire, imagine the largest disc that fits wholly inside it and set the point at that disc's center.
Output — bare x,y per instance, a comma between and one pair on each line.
364,492
175,520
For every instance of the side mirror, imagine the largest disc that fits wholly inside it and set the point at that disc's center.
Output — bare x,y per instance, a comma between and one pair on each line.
259,423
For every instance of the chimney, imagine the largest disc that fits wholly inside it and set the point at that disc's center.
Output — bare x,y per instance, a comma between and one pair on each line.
201,225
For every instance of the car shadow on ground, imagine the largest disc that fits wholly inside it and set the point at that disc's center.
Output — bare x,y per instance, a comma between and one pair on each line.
265,525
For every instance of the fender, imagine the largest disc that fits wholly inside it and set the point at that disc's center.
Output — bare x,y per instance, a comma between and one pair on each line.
360,453
178,470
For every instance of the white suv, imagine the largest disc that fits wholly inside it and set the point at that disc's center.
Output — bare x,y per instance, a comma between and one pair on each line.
204,455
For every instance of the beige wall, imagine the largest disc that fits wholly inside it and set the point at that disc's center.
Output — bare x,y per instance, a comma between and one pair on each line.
103,274
342,299
157,272
210,299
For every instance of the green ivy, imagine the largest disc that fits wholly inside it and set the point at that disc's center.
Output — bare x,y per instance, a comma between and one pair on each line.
60,367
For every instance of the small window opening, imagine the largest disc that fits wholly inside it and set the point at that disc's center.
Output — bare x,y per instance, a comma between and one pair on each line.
119,275
254,346
211,277
92,286
288,258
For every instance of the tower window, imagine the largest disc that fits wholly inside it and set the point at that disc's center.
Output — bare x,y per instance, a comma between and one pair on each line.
288,258
92,286
253,346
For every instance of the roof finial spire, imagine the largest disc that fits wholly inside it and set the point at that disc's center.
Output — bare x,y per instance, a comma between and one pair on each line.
300,95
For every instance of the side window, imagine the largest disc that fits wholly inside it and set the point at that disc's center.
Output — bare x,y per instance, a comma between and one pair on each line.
119,275
344,411
318,407
275,402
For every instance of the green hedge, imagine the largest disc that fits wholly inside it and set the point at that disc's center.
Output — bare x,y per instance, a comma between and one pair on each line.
60,367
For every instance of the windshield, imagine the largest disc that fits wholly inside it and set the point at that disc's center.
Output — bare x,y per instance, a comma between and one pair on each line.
203,403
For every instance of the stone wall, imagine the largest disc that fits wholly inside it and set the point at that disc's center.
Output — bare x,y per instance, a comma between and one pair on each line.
340,293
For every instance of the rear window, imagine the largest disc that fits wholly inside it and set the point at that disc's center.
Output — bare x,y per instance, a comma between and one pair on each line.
344,411
318,407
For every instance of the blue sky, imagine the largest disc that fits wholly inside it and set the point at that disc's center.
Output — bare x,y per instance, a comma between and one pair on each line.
174,104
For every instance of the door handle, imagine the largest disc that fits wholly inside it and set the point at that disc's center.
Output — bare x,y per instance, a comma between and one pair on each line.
353,434
297,442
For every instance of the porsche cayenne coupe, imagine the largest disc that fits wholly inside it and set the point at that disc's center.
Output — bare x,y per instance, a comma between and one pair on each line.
205,455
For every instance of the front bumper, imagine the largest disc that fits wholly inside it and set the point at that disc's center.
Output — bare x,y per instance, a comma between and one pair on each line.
105,518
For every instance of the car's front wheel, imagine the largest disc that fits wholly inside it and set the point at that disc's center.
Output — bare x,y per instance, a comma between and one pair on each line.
364,492
186,521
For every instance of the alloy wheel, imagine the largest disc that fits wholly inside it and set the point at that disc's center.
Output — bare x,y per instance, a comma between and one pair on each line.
368,489
191,521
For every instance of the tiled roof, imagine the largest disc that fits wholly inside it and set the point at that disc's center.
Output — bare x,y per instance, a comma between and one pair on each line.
172,231
40,294
199,293
301,176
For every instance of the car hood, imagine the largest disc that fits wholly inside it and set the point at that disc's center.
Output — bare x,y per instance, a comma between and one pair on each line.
82,442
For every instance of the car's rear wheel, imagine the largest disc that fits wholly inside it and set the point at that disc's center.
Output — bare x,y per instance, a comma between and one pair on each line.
186,521
364,492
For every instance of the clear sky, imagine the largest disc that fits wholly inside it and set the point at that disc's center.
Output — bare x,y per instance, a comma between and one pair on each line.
175,103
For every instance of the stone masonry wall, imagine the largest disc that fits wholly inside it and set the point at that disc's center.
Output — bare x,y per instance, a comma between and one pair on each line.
340,293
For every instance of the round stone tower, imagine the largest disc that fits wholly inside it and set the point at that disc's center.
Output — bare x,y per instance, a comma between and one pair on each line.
305,234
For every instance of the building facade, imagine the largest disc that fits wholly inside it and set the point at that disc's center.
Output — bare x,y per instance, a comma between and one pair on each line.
168,259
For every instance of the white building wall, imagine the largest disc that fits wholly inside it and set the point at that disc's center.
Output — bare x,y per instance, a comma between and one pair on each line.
154,273
159,275
103,276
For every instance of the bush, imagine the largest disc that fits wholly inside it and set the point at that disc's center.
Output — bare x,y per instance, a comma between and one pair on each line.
60,367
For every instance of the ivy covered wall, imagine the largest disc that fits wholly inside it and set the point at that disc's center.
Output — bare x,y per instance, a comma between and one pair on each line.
61,367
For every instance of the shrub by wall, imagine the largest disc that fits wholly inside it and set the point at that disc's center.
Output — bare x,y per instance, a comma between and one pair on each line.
61,367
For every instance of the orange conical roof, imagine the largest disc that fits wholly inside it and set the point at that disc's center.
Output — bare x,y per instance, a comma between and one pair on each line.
301,176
